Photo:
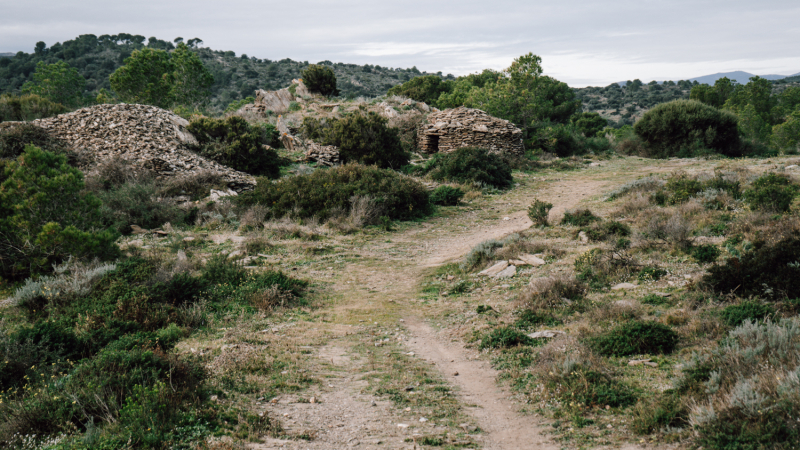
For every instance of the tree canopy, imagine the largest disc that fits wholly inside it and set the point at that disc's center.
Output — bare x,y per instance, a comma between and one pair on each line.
58,83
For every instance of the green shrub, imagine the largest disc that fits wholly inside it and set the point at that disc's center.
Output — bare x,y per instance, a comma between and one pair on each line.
426,89
361,138
235,143
480,254
705,253
634,338
137,203
528,319
446,196
649,273
14,140
655,300
589,123
590,387
324,192
505,337
539,211
27,107
470,165
686,128
579,217
665,410
601,231
735,315
320,79
556,138
44,216
771,192
772,269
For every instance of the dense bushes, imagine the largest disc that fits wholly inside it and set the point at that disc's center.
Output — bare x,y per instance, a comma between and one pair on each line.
320,79
769,268
688,127
634,338
771,192
362,138
470,165
14,140
44,216
327,193
446,196
237,144
27,107
426,89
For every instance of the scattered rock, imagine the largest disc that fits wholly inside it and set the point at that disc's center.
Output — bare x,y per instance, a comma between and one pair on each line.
215,195
793,166
188,239
402,425
546,334
136,229
624,286
323,154
455,374
647,362
508,272
312,400
495,269
583,237
533,260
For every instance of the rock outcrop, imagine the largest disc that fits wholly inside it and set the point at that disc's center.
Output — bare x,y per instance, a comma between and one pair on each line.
278,102
323,154
145,135
451,129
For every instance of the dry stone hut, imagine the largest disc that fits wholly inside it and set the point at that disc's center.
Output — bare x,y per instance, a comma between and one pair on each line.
451,129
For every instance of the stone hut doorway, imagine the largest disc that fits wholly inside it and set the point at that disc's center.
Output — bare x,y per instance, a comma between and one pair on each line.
433,143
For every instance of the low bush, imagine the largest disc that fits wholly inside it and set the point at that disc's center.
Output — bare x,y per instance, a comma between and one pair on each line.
607,230
579,218
771,192
327,193
687,128
446,196
705,253
655,300
650,273
592,388
27,107
545,295
480,254
45,217
539,211
528,319
505,337
138,203
470,165
361,138
771,269
635,338
559,139
667,409
320,79
235,143
735,315
14,140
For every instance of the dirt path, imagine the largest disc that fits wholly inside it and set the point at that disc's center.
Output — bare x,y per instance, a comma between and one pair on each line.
505,428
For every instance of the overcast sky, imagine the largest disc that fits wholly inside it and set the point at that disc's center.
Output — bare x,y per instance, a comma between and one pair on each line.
581,42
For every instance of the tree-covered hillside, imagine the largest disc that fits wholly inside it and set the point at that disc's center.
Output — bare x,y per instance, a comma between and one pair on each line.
235,76
624,104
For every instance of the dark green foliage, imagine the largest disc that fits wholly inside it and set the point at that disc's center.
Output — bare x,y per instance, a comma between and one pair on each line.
539,211
705,253
362,138
649,273
446,196
137,203
237,144
323,192
556,138
505,337
482,309
682,187
629,99
426,89
588,123
735,315
655,300
667,409
579,218
529,319
771,192
608,230
767,268
13,141
770,429
688,127
27,107
320,79
44,216
636,338
470,165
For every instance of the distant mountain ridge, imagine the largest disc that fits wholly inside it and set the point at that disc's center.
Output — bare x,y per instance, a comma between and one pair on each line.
739,76
7,55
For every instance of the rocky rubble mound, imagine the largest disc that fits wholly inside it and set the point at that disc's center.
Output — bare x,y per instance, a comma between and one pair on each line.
144,135
323,154
451,129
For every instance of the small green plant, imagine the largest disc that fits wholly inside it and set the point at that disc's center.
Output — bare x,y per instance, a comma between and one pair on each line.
607,230
771,192
705,253
483,309
735,315
655,300
480,254
579,218
528,319
539,211
446,196
634,338
505,337
320,79
649,273
665,410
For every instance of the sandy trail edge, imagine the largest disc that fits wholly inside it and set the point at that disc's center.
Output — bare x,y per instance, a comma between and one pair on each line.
497,416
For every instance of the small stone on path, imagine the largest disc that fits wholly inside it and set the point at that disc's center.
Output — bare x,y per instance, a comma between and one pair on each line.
623,286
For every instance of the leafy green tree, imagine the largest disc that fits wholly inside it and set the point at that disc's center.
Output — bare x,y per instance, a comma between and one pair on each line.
45,216
320,79
192,81
427,89
715,96
58,83
589,123
147,77
787,135
758,93
237,144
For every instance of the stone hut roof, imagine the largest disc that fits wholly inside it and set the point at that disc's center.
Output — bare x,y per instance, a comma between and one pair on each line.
451,129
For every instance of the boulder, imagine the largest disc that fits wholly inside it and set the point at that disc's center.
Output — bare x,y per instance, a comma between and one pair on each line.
508,272
494,269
